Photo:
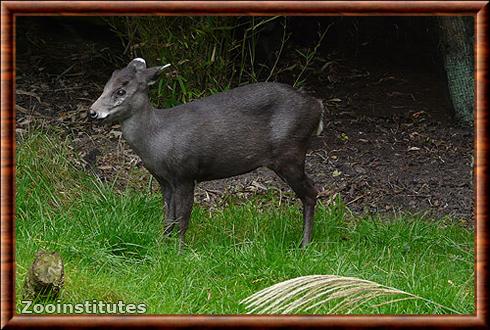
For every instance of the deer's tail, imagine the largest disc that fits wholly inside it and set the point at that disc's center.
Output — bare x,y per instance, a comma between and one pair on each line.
319,128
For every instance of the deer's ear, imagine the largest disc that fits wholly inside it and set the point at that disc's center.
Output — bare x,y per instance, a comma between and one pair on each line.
152,74
138,64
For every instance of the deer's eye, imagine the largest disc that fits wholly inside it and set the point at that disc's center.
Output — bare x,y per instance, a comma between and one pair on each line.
120,92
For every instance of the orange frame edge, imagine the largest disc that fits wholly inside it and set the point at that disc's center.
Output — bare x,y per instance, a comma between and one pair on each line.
10,9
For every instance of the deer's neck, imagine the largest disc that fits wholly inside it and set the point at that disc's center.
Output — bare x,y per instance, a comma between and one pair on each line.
139,127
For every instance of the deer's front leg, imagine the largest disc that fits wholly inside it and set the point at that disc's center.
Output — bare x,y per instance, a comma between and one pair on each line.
169,208
183,199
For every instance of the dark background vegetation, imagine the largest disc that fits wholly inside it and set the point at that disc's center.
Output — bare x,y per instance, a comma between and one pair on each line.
392,140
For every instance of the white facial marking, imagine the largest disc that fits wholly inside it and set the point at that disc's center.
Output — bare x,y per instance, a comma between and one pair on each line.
118,102
139,59
102,115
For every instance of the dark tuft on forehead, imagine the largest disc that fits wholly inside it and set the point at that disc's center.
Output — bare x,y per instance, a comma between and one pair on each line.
122,76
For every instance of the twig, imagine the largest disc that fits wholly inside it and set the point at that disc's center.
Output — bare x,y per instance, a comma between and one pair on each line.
67,88
310,57
355,199
66,71
283,41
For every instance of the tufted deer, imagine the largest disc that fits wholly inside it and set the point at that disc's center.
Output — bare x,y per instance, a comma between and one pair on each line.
223,135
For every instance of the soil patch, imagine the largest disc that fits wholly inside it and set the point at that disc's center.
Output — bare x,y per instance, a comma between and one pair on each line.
390,143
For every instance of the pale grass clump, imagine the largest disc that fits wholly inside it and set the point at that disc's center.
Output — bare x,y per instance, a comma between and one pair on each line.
309,293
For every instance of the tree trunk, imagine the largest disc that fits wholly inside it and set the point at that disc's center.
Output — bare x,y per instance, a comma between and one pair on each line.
456,40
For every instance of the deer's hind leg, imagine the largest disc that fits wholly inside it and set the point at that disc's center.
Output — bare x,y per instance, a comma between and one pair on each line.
292,172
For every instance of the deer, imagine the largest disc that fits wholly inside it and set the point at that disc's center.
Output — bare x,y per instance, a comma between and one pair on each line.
263,124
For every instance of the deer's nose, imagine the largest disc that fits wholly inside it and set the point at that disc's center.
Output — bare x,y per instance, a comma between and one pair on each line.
93,114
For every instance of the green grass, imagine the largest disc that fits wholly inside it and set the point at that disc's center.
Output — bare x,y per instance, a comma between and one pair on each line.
111,245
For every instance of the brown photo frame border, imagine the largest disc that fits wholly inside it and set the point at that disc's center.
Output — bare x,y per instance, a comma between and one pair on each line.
11,9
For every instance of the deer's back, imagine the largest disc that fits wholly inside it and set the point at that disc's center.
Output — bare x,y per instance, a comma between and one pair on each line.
236,131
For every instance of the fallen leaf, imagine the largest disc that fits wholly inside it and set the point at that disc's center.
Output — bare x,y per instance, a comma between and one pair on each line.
359,169
418,114
20,108
21,92
24,122
116,134
258,185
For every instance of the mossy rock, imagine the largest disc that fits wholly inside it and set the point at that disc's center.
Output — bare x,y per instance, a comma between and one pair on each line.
45,278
